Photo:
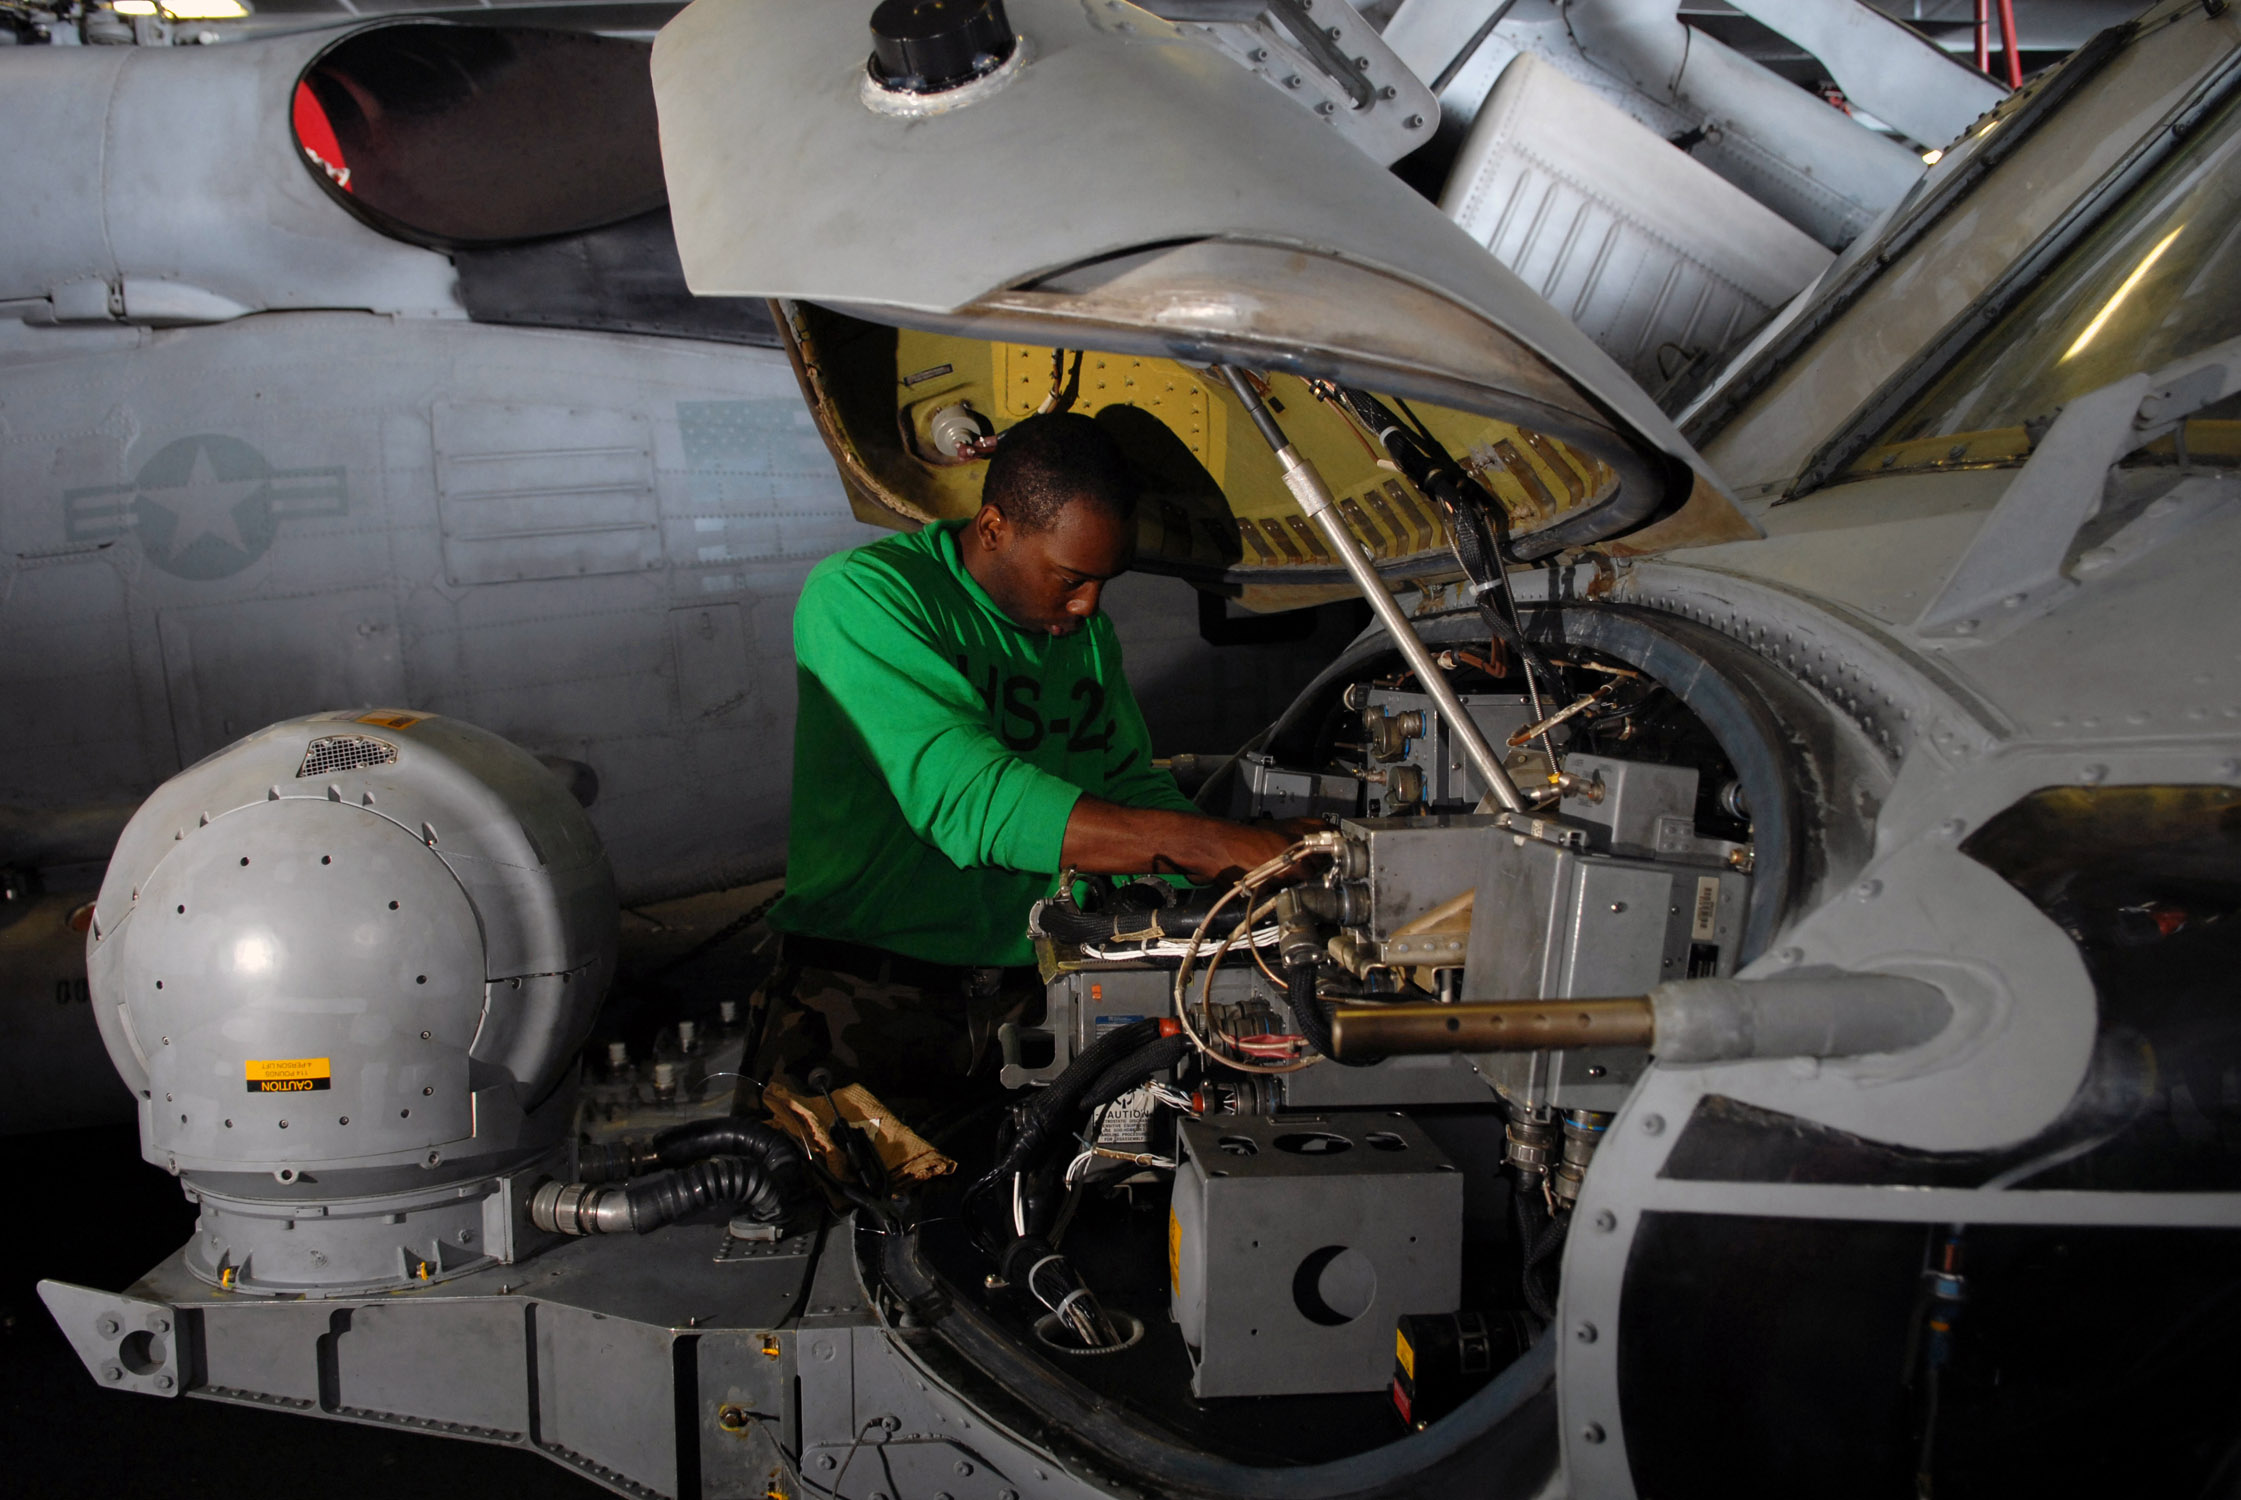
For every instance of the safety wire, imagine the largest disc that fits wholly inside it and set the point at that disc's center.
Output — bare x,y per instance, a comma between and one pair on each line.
1247,886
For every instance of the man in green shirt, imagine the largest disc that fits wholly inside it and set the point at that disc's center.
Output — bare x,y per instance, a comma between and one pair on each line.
964,732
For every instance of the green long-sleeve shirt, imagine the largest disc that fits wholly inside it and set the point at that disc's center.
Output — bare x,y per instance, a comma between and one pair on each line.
938,752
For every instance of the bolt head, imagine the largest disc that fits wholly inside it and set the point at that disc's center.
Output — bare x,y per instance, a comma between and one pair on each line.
1592,1433
1586,1333
163,1382
112,1373
1605,1221
107,1328
1653,1124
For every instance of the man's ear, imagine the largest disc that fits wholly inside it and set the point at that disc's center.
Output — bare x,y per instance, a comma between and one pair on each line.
992,528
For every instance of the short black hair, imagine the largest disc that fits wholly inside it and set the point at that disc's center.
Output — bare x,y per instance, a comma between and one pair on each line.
1048,462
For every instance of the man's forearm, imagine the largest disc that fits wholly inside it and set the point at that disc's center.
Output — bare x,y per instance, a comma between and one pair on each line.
1104,838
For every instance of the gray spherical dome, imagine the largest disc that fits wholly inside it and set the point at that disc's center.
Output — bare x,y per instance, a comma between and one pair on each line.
345,965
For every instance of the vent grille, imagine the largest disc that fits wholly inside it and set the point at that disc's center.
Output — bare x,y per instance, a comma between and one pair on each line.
345,752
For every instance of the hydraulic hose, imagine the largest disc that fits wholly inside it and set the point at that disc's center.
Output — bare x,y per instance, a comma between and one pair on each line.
1056,1104
1135,1068
755,1140
696,1140
663,1198
1312,1018
1063,921
1534,1226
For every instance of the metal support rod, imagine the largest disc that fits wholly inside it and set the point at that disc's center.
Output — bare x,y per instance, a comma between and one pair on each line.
2011,47
1314,497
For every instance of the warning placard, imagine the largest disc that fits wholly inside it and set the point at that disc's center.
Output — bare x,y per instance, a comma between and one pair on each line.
288,1075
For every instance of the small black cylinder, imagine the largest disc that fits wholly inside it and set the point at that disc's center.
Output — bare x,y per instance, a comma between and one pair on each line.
926,46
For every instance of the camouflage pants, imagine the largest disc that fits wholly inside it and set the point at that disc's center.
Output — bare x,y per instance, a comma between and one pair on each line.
919,1049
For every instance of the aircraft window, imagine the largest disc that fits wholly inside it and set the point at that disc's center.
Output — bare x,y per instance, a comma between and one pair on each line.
454,136
2159,280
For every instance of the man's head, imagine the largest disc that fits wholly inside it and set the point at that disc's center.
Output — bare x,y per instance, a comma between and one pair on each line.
1057,520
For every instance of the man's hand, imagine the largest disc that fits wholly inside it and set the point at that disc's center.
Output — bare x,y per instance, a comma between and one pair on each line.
1104,838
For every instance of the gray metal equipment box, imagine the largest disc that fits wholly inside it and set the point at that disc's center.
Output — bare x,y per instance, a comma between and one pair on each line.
1294,1245
1555,923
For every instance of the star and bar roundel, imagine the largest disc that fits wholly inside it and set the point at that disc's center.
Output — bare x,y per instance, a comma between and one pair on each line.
204,506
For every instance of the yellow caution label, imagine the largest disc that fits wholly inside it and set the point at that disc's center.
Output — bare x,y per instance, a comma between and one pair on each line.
1174,1252
287,1075
391,718
1403,1353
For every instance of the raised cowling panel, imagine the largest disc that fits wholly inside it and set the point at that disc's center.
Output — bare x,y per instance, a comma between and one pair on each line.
1661,261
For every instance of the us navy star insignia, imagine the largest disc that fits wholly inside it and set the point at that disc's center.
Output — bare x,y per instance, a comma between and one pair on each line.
204,506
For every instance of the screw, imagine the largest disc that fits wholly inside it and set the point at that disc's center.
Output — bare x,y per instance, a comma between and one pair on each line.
1414,122
112,1373
2094,775
1870,889
891,1423
731,1418
107,1328
159,1324
163,1382
964,1469
1605,1221
1592,1433
1653,1124
1585,1333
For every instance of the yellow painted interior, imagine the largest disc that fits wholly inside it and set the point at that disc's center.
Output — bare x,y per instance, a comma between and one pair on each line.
1214,498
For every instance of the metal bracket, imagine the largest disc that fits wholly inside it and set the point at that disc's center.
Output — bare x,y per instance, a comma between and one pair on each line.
127,1343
